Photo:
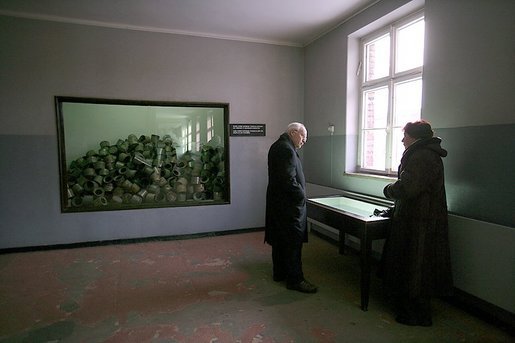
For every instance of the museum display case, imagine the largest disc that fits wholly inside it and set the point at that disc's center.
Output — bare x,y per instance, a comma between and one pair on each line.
357,215
132,154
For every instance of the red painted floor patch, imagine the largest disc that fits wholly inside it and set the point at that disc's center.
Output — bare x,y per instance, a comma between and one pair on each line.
215,289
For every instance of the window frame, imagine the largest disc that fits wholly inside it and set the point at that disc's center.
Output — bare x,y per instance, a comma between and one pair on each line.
389,82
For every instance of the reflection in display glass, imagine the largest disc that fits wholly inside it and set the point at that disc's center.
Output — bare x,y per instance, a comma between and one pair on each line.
119,154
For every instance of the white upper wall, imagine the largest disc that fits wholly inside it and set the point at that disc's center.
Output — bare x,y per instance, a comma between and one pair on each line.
469,68
41,59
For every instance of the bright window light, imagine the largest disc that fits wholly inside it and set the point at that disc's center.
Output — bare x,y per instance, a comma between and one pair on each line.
391,92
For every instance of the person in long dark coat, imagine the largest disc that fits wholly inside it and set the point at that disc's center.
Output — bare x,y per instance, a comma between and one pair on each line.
416,259
286,221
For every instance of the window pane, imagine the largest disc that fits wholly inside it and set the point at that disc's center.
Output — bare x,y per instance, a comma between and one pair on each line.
374,150
397,94
410,46
375,108
377,58
407,102
397,148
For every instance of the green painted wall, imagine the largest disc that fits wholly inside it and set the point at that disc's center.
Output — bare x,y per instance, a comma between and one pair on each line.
479,170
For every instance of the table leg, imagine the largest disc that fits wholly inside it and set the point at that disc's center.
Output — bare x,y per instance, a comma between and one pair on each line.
342,240
366,247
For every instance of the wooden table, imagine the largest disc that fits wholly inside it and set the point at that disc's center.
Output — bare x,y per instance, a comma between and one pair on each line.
352,215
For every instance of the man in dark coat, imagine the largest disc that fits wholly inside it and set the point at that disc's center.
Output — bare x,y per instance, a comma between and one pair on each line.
416,259
286,221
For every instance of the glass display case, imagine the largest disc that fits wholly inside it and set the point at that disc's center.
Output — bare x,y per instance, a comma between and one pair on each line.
357,215
128,154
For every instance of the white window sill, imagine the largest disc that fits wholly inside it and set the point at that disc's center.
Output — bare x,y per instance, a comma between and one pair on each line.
371,176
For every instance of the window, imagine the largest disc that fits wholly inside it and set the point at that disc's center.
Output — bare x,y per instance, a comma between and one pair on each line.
210,128
390,92
197,135
186,134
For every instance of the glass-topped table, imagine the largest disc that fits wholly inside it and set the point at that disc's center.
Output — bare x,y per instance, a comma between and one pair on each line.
354,215
356,208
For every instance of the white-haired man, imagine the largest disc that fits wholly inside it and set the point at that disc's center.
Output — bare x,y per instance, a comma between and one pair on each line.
286,221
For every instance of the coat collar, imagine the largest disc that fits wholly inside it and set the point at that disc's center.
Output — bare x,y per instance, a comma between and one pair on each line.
287,138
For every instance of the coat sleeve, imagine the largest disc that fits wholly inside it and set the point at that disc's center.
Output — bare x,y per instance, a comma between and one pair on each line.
415,178
285,173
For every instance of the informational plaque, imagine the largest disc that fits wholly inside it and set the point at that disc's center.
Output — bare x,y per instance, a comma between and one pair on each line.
247,129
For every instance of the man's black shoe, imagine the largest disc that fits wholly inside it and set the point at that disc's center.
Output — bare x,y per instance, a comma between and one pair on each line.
303,286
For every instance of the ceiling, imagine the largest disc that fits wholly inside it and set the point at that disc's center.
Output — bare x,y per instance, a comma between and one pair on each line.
282,22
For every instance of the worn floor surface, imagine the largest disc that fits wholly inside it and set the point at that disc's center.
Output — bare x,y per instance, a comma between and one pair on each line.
212,289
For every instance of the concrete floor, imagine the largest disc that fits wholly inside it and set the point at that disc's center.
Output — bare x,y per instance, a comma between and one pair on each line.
211,289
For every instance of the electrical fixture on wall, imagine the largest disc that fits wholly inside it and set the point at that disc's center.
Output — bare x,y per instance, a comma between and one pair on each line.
330,128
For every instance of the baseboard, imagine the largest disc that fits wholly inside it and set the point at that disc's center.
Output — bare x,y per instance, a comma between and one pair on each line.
127,241
488,312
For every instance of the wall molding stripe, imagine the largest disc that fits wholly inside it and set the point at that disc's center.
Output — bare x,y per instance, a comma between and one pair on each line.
153,29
